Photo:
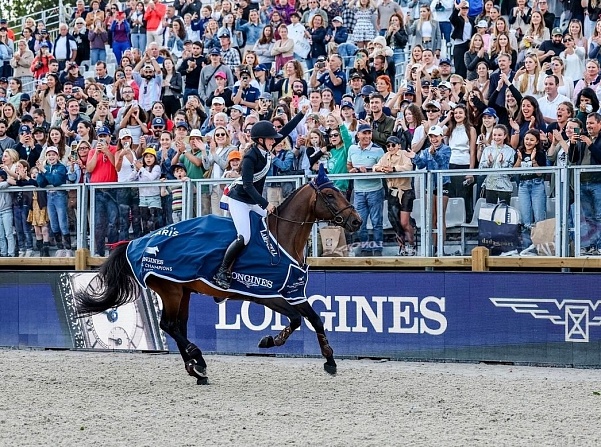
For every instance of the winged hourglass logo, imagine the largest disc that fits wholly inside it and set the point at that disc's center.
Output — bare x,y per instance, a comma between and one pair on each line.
575,315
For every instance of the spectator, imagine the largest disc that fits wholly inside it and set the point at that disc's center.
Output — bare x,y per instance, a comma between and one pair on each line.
496,156
316,34
95,14
65,47
40,64
54,173
101,167
102,76
463,29
369,193
7,237
550,101
551,48
21,63
283,48
154,14
148,170
149,77
120,35
207,81
397,38
137,24
426,32
382,125
245,94
263,47
230,56
6,142
80,34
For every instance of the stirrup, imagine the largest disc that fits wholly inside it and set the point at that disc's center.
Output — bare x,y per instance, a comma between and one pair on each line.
222,279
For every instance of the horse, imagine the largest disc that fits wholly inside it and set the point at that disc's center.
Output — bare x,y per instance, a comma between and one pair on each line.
290,225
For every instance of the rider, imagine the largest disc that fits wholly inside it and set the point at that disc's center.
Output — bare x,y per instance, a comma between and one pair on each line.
247,196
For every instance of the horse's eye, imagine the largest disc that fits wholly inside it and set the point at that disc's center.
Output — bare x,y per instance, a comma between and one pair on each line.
330,195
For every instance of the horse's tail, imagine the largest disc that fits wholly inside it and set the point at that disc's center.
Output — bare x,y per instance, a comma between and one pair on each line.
114,285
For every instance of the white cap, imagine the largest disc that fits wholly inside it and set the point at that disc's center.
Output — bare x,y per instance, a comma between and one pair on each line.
482,24
433,103
123,133
436,130
337,19
195,133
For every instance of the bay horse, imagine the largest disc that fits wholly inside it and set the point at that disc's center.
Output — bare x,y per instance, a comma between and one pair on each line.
115,285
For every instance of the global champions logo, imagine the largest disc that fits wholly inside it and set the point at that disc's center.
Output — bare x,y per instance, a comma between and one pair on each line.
577,316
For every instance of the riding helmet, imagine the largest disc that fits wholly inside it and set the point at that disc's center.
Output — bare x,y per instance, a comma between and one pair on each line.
264,129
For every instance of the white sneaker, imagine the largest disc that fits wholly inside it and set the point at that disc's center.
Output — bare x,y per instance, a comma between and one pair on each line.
410,250
29,253
69,253
509,253
60,253
530,251
21,253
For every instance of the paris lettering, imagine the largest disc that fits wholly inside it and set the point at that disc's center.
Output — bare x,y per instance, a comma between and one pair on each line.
347,313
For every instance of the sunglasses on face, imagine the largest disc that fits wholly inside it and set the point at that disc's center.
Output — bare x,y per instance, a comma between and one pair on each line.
390,145
219,135
432,110
334,135
247,130
277,126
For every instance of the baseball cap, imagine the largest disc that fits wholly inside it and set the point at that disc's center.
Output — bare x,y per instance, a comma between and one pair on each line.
103,131
260,67
237,107
25,97
445,61
445,84
187,41
432,103
338,19
410,90
215,51
347,104
435,130
196,133
364,128
221,74
218,100
557,31
3,79
392,139
224,34
321,59
124,133
356,76
266,95
183,124
482,24
52,149
150,151
367,90
234,155
490,112
24,130
465,5
39,129
27,118
43,31
178,166
158,122
426,83
244,71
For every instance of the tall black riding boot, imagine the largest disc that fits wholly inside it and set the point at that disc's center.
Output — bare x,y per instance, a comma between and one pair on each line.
39,244
223,277
46,249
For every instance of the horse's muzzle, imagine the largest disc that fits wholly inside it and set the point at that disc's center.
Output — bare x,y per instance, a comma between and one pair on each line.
354,223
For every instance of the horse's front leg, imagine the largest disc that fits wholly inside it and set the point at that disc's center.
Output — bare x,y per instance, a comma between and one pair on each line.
280,305
307,311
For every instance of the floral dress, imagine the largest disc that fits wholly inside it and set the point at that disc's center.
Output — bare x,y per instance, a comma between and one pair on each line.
365,30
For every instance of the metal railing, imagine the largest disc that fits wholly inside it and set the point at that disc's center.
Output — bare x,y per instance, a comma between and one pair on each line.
573,225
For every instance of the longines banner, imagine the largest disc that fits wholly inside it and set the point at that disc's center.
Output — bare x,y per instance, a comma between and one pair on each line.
507,317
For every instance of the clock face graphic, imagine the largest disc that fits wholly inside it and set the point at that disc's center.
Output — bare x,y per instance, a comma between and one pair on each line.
133,326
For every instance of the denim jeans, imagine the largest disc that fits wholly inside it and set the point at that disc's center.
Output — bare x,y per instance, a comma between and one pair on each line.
445,30
106,218
119,48
347,52
590,220
57,212
371,204
138,41
399,56
7,238
533,206
97,54
23,228
188,92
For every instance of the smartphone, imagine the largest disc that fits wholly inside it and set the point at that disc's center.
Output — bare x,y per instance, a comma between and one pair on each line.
577,130
74,145
98,124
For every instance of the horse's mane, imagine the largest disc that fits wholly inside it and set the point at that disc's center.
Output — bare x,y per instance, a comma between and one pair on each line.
282,206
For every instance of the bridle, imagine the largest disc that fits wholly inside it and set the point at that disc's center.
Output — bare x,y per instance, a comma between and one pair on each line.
336,214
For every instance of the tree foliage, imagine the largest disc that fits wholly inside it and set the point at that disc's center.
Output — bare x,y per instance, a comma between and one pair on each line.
15,10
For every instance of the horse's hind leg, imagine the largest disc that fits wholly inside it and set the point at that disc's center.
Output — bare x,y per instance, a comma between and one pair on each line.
281,306
309,313
174,321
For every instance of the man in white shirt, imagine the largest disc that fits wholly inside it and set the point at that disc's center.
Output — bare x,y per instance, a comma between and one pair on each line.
548,103
65,47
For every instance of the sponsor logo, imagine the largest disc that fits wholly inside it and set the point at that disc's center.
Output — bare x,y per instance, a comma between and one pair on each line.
577,316
152,250
250,281
268,244
167,231
344,313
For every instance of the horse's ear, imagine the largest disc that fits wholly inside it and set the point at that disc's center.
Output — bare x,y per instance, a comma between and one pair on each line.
322,177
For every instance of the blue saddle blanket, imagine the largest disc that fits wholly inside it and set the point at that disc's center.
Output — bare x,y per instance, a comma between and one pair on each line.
193,250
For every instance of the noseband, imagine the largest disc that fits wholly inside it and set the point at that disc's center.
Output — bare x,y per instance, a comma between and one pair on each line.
336,214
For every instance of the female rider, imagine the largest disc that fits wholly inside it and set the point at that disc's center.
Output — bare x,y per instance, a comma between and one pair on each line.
247,195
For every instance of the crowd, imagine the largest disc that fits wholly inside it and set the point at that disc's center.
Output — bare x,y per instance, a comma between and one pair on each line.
483,84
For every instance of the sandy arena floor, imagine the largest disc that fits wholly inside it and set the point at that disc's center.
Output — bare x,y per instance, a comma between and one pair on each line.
70,398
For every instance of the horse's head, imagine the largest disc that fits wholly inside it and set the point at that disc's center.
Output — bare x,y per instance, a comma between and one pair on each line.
332,206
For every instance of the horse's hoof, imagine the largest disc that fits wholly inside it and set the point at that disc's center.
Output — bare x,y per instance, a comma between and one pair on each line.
202,381
330,369
267,342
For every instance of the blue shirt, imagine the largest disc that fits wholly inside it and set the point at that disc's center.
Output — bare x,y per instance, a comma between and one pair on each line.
367,157
251,94
338,90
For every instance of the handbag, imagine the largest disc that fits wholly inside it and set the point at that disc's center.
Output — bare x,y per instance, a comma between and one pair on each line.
499,228
302,48
543,237
208,173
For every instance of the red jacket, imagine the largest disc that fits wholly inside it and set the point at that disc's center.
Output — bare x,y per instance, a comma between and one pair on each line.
154,16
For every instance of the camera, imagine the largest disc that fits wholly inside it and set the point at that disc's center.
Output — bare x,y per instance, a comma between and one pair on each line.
577,131
280,111
439,7
320,65
39,65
